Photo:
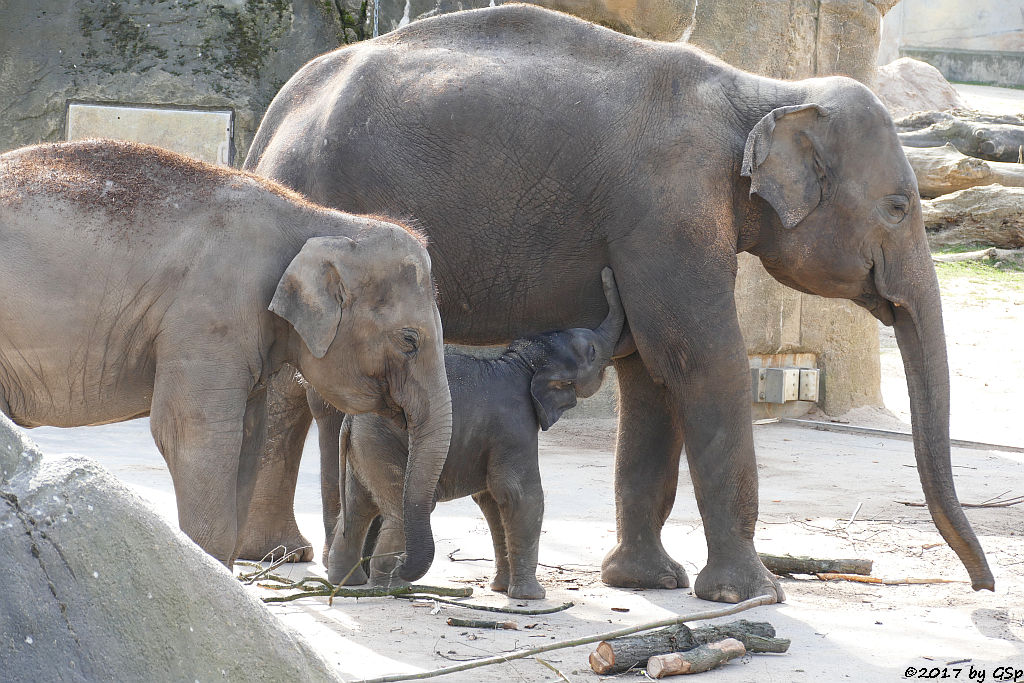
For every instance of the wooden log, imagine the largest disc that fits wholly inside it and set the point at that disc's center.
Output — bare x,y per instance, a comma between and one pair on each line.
941,170
622,654
697,660
990,215
787,564
975,136
993,255
483,623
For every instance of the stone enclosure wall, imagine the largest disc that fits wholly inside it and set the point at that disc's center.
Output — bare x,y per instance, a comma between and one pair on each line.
234,55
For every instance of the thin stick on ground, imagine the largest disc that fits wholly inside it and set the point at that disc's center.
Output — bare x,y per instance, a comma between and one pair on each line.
330,601
505,610
373,592
992,503
519,654
251,578
829,576
561,676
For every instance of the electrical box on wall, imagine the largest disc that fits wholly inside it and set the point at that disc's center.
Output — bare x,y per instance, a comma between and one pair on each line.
781,385
204,134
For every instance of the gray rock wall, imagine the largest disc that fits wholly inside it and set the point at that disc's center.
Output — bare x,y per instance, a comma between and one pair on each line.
235,54
97,587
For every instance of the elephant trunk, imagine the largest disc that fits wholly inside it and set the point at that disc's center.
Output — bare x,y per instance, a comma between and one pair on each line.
429,422
917,320
611,328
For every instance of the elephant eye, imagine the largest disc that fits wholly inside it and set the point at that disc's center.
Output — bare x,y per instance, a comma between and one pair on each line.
894,208
591,354
409,341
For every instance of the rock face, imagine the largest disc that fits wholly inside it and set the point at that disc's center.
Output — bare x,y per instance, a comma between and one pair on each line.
235,54
98,587
792,38
908,85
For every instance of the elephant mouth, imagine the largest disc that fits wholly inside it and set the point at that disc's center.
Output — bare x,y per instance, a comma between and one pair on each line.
878,306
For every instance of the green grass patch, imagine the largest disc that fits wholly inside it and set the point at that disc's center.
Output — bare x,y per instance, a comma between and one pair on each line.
983,273
991,85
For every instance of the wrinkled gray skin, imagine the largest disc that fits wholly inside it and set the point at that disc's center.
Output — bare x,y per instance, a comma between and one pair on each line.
139,282
497,406
534,148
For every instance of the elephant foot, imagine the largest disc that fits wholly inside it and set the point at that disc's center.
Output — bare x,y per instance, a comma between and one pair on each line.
259,543
500,583
642,567
526,589
735,580
355,577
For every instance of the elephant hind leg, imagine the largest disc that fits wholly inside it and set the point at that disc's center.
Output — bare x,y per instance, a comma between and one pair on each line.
647,454
271,523
492,514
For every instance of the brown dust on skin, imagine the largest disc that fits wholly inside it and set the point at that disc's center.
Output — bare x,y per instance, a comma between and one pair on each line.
122,178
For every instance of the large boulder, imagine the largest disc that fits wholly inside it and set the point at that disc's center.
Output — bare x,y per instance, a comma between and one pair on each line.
907,85
98,587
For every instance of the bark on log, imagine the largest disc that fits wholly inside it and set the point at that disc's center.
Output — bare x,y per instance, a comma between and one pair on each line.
973,135
941,170
787,564
622,654
700,659
483,623
990,215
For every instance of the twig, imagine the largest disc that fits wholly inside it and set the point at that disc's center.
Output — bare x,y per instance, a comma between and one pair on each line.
551,666
250,579
519,654
451,556
505,610
828,576
854,515
373,592
1000,504
330,600
483,623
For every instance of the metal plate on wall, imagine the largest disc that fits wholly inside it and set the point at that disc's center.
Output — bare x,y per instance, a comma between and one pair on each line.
202,134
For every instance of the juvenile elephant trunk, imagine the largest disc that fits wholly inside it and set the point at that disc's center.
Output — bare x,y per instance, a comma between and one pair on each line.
430,429
919,333
611,328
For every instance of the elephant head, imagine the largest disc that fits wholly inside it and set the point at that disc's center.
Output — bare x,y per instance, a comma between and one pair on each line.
571,363
367,336
845,221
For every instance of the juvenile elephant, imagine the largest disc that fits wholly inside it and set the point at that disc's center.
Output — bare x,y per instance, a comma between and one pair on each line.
534,148
139,282
497,406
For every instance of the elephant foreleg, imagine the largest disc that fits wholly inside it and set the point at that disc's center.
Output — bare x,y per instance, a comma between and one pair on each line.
328,425
646,471
198,423
271,521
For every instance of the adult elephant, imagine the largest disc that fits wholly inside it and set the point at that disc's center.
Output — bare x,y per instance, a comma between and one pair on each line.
534,148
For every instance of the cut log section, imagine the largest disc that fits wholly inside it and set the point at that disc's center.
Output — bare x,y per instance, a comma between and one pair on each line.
787,564
622,654
941,170
697,660
996,138
990,215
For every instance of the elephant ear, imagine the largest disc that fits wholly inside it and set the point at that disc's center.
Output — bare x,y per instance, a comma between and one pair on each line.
311,291
550,398
783,164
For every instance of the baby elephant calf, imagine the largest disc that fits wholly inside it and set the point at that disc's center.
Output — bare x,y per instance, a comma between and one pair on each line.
497,405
